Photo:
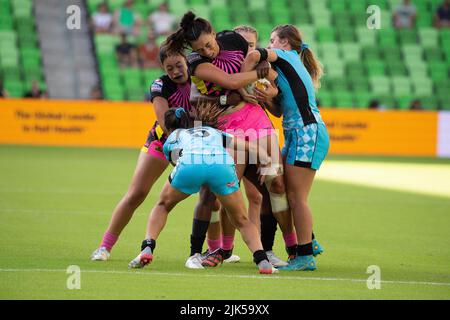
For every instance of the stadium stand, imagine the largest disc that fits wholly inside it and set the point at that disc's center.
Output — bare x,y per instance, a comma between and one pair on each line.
20,56
394,66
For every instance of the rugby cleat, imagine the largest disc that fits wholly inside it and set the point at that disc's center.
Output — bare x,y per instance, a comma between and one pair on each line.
317,248
274,260
265,267
194,262
229,257
100,254
213,259
301,263
143,259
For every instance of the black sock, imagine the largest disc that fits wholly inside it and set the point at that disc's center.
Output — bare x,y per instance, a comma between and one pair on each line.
268,229
148,243
259,256
199,229
292,250
305,249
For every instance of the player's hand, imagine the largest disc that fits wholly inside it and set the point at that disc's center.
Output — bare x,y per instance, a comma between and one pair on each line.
266,95
247,96
264,170
262,69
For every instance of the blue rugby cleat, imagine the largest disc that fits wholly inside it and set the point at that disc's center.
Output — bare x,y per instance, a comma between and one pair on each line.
317,248
301,263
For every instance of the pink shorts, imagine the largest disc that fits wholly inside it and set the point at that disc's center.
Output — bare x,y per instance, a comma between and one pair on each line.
153,146
249,123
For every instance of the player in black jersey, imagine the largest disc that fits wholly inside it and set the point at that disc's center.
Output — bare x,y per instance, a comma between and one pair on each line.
171,90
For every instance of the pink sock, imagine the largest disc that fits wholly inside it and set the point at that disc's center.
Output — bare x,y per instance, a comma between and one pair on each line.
109,240
227,242
290,239
213,244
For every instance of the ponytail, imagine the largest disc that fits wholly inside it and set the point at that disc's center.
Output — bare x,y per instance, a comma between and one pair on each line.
308,58
191,28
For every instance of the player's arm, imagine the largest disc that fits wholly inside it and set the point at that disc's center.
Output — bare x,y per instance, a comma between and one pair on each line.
196,98
210,73
160,106
252,148
256,56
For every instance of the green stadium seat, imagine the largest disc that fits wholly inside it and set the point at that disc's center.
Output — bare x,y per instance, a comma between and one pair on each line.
429,37
375,67
380,85
362,99
360,84
325,34
325,98
356,70
404,102
387,101
396,68
401,86
350,52
438,71
371,53
366,36
433,54
338,6
422,86
346,34
343,99
429,102
14,88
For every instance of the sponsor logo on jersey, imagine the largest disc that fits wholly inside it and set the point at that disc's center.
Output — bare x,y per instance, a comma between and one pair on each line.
157,85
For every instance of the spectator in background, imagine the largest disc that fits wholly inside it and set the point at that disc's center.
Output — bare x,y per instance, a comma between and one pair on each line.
126,20
126,53
102,19
374,104
96,93
162,21
3,92
149,51
416,105
442,17
405,15
35,91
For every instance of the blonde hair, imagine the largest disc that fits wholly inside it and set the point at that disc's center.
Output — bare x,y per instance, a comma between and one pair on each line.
245,28
309,59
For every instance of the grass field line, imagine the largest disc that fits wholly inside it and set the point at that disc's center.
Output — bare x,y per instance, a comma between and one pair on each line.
180,274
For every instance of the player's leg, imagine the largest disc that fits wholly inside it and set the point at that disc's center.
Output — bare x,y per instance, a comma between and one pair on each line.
299,181
228,228
168,199
149,168
200,227
254,198
302,159
235,208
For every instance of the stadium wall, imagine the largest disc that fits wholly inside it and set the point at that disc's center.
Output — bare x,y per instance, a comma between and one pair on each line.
126,124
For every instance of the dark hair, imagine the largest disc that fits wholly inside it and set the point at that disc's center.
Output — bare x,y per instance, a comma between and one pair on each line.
174,119
190,30
312,64
165,52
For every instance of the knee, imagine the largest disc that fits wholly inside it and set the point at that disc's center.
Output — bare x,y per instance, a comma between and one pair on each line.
277,186
240,221
255,198
295,201
135,197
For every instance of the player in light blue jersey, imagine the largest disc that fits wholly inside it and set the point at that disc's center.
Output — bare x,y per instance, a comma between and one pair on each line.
200,158
305,133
